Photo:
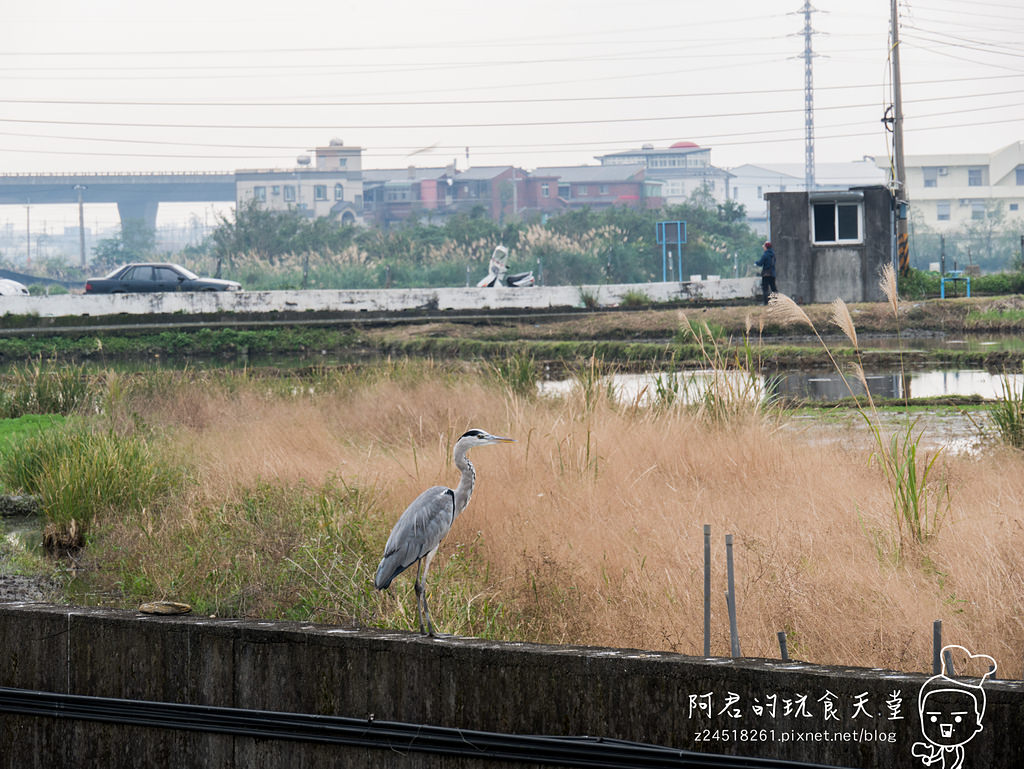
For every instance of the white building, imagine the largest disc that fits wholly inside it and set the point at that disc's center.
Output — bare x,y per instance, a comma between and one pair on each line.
948,191
681,169
750,183
331,187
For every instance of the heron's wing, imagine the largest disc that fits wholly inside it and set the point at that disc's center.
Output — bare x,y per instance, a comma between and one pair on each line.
420,529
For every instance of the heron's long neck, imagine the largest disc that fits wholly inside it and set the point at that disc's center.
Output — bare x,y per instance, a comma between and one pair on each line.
465,488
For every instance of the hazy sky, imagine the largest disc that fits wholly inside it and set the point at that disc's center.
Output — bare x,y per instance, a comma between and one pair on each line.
114,85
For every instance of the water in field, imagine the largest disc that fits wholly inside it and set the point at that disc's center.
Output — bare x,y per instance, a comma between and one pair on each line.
805,386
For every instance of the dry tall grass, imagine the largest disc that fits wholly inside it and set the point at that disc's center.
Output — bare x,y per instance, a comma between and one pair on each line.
592,523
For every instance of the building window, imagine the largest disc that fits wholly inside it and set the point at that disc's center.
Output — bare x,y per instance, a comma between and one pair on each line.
931,176
1020,176
339,192
582,189
942,210
1014,206
289,193
260,193
320,192
604,189
275,190
974,177
978,210
563,191
342,162
836,222
760,191
545,190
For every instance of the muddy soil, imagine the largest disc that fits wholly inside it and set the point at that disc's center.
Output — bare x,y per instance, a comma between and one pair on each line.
931,317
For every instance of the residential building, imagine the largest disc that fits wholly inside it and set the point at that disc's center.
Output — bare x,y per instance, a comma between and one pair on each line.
332,187
682,168
393,195
948,191
538,194
602,186
495,188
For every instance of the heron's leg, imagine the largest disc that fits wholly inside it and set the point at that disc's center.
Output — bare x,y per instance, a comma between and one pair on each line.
419,595
421,591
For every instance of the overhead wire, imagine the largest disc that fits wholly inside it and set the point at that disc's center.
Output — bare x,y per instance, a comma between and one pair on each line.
574,40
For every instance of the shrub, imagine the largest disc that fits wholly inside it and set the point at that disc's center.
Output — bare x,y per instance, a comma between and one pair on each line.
635,298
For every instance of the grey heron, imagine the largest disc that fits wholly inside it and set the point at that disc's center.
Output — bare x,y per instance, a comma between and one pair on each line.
420,529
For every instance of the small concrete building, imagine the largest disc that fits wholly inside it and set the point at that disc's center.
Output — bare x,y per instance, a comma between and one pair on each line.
831,243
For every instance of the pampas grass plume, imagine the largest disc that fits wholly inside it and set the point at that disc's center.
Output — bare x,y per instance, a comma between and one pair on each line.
841,317
889,288
785,311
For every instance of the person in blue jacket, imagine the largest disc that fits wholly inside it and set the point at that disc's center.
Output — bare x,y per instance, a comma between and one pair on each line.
767,265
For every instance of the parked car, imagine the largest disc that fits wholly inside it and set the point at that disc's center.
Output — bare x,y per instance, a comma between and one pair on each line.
10,287
151,276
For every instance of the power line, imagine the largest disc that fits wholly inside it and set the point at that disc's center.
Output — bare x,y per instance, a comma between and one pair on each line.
611,35
346,102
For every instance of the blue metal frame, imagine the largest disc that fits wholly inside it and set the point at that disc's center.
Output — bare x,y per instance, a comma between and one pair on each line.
956,276
664,232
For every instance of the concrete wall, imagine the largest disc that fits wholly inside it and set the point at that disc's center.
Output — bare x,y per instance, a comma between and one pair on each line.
820,273
371,299
658,698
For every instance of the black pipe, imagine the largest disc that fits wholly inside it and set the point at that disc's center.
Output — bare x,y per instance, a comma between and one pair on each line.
584,752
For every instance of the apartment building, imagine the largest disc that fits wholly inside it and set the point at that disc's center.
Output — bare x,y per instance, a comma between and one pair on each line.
333,186
602,186
949,191
680,169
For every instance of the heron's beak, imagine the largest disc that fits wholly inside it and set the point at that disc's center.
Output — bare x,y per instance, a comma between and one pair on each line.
502,440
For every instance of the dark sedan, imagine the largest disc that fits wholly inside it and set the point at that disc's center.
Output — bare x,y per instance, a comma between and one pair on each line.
151,277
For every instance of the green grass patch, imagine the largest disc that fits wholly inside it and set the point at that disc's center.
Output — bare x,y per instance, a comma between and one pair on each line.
80,473
517,374
1008,415
13,430
998,317
285,552
44,387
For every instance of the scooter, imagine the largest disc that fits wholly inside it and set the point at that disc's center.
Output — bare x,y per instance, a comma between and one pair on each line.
497,274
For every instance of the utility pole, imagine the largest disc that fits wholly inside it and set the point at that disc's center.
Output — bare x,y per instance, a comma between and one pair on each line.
79,188
901,199
808,98
515,194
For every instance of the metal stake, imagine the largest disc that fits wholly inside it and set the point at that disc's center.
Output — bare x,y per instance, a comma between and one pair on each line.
707,590
782,646
730,597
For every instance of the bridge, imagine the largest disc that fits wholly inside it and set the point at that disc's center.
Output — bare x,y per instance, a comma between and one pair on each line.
137,195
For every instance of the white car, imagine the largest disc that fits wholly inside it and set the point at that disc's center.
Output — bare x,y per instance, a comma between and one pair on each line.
12,288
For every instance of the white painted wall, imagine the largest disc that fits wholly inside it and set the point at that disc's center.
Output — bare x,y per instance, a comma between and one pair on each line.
538,297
